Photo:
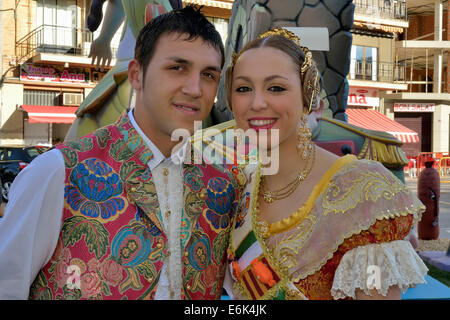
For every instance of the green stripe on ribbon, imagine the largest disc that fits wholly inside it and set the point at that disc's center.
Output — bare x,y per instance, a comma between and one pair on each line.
245,244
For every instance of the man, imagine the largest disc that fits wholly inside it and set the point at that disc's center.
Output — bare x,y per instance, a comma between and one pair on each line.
108,216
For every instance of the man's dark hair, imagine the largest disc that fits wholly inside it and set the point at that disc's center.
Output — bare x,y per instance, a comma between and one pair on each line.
188,21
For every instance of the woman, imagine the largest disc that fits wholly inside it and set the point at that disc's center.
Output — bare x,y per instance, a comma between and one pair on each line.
322,227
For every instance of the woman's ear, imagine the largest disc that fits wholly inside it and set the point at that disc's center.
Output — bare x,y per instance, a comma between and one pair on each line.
316,115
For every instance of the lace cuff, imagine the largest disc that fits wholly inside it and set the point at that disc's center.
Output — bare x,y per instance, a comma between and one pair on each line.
378,266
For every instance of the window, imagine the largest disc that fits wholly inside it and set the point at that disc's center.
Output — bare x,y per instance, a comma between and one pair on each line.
57,18
363,64
41,97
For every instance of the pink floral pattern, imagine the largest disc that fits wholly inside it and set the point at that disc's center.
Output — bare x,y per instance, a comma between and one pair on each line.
111,272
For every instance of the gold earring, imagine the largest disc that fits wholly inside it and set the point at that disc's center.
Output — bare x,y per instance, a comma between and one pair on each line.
314,88
304,145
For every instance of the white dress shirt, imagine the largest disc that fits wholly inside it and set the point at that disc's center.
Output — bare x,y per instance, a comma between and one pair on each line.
32,221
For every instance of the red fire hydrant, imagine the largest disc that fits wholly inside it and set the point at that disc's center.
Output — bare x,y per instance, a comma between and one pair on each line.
429,191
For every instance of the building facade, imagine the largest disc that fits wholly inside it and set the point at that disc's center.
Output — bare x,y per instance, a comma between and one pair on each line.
425,106
45,69
397,45
374,66
46,72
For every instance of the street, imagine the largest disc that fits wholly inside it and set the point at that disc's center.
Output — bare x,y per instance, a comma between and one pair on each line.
444,206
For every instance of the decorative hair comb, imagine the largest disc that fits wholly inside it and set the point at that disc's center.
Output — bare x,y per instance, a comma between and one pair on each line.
291,36
281,32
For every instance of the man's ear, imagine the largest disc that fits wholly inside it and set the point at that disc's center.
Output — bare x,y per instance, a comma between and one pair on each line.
135,74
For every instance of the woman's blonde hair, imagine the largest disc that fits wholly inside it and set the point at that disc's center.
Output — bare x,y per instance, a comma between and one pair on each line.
288,43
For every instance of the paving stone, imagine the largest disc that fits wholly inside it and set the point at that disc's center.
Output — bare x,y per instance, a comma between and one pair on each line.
339,59
283,23
320,60
318,16
286,10
342,96
347,17
336,6
311,2
260,21
332,103
332,81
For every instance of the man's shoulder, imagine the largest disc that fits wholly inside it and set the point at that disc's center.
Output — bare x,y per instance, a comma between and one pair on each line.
95,141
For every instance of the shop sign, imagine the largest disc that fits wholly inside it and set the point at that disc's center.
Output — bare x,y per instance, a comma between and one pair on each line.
47,73
363,97
414,107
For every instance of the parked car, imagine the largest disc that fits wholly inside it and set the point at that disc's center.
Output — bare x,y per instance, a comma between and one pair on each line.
12,160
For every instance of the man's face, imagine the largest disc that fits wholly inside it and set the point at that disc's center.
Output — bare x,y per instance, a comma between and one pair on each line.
180,86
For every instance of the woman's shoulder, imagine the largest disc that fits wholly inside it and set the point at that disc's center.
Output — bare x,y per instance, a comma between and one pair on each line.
351,166
367,186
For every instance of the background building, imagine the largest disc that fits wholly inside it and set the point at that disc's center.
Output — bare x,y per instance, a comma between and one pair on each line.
375,68
399,70
425,105
45,71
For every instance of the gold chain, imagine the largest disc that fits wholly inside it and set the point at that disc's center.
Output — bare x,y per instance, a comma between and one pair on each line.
286,191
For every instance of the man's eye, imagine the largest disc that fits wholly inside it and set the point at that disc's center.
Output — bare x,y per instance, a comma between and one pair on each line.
175,68
210,75
276,89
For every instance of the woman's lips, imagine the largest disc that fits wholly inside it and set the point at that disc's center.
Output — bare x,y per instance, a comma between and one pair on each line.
261,123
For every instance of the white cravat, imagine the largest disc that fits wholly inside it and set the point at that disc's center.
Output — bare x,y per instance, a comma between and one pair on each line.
168,179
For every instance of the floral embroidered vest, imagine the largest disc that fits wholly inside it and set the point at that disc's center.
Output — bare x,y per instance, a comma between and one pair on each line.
112,244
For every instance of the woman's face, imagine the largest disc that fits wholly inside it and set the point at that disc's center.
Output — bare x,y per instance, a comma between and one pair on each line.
266,94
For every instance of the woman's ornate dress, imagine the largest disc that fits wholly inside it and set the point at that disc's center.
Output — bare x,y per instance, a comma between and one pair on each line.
349,234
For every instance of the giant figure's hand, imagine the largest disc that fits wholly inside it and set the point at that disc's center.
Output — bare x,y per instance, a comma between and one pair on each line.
101,53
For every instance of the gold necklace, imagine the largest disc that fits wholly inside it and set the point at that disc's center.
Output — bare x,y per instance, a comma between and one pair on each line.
286,191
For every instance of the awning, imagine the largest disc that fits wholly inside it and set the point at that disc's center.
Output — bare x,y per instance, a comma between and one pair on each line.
50,114
374,120
211,3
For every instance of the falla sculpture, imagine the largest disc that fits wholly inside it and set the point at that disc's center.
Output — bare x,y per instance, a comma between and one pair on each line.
249,18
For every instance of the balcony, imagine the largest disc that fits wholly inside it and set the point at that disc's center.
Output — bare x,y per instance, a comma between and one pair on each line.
382,8
62,44
379,74
383,13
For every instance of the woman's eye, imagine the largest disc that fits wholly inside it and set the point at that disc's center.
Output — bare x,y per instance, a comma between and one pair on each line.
276,89
243,89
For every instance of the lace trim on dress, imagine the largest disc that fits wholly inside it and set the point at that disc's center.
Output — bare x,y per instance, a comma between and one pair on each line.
378,266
